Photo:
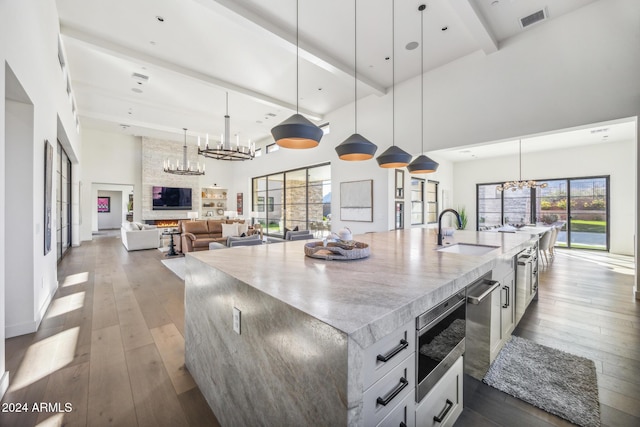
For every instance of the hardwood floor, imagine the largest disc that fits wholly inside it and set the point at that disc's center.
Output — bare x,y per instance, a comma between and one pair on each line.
585,307
111,345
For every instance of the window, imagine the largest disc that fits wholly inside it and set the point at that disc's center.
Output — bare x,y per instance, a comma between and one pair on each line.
297,198
577,206
272,147
417,201
432,202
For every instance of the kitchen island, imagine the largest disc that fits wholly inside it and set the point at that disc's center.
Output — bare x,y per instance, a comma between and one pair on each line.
307,324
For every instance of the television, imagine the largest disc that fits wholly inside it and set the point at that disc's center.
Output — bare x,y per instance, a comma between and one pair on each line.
171,198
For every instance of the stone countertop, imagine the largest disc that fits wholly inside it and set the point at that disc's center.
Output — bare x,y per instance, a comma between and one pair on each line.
403,277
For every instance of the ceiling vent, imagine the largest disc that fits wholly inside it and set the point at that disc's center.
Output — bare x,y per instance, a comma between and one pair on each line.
534,18
140,78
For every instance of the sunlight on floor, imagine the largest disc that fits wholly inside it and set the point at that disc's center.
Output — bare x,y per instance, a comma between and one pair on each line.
62,305
56,420
75,279
622,264
45,357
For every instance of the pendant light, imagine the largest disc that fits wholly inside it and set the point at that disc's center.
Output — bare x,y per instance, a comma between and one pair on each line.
297,131
393,157
356,147
520,184
422,163
186,168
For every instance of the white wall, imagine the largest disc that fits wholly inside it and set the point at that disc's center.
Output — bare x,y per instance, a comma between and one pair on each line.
108,158
115,216
614,159
29,45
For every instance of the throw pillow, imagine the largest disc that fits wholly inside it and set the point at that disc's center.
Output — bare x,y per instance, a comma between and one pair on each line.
243,227
229,230
136,226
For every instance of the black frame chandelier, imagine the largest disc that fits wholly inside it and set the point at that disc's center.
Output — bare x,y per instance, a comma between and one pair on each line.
185,168
225,150
520,184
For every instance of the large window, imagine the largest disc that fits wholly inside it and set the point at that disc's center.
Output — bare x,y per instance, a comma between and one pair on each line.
417,201
432,202
297,198
577,206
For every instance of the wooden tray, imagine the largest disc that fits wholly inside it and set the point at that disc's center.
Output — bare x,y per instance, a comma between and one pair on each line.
339,251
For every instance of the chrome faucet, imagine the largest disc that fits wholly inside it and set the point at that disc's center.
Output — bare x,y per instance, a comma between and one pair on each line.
440,223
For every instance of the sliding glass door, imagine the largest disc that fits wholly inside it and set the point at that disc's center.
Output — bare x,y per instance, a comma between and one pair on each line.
578,207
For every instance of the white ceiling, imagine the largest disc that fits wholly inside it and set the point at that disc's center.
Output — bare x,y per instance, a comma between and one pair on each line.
204,48
602,133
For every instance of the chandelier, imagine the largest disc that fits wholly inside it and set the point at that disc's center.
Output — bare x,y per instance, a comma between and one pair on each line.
186,168
520,184
225,149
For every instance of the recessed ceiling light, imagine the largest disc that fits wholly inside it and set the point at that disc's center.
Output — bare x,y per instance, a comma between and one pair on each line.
259,122
160,18
412,45
445,28
319,88
387,58
152,42
137,90
495,2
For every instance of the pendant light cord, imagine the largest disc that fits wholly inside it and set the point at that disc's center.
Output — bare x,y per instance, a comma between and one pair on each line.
355,62
520,158
422,78
184,150
393,72
297,61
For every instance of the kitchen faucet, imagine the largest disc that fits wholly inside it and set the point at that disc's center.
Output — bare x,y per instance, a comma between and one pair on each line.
440,223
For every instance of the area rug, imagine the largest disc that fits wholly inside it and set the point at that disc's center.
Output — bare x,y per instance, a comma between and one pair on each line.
176,265
560,383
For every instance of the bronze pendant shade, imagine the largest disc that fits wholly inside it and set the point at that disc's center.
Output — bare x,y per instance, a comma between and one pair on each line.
356,147
422,163
297,132
393,157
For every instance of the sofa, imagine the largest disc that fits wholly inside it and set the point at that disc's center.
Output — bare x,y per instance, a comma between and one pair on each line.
136,236
196,235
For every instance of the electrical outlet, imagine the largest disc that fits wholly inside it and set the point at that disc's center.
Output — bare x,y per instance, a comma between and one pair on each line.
236,320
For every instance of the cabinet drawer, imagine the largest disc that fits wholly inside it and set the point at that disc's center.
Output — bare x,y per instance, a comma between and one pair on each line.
403,413
395,347
443,401
390,389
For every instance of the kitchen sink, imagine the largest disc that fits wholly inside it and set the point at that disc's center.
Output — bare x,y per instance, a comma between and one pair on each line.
468,249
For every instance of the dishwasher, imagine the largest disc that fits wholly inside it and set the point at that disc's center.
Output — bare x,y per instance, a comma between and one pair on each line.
478,326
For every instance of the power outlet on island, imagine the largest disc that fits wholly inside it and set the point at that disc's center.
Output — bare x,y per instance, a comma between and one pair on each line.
236,320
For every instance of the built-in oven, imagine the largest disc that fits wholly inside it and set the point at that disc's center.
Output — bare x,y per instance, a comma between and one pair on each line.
440,341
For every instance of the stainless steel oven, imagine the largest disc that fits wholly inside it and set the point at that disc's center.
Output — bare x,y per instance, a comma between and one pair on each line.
440,341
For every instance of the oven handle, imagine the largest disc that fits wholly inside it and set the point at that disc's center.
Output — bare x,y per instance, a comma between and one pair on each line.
477,299
397,349
384,401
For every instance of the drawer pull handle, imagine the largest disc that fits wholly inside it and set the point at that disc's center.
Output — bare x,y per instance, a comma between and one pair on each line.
384,401
444,412
386,357
506,304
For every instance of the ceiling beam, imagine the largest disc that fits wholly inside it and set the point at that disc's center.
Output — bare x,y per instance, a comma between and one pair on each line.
476,25
138,57
310,53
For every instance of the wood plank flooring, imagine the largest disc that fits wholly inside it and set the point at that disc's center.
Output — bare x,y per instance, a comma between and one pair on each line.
111,345
585,307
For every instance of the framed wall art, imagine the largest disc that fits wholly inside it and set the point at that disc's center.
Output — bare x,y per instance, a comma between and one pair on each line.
104,204
356,201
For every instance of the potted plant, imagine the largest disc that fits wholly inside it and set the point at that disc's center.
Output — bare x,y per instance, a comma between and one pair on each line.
463,217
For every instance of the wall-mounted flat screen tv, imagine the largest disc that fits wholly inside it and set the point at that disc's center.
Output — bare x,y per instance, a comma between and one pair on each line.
171,198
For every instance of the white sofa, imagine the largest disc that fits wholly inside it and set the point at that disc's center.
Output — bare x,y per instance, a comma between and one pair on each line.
136,236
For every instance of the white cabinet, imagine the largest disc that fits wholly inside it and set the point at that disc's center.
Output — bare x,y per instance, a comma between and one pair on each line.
401,415
502,306
389,377
443,404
